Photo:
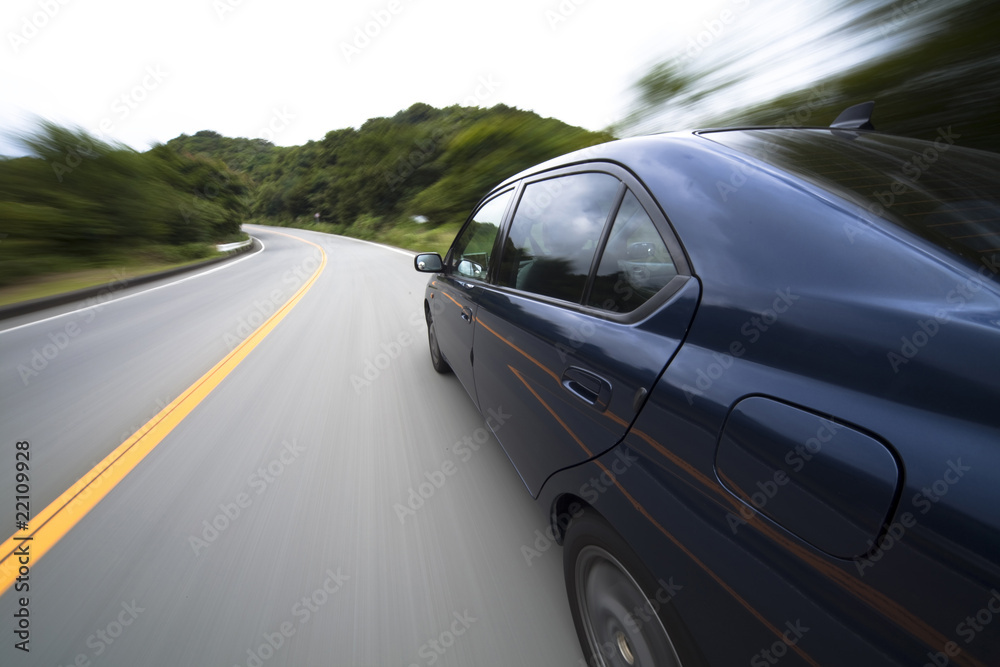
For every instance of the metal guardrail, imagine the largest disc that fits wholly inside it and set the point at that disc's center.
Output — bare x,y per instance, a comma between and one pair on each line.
226,247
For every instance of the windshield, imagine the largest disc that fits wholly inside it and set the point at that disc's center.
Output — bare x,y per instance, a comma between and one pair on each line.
947,194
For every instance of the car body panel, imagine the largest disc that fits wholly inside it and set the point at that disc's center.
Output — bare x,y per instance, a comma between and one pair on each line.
454,317
809,299
522,366
826,482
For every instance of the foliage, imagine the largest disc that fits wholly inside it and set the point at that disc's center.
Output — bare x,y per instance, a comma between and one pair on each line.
926,65
77,197
422,161
76,202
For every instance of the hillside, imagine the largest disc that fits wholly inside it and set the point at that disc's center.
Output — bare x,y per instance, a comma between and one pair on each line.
77,204
372,181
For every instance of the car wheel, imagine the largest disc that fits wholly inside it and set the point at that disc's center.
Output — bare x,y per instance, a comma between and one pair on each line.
440,365
620,613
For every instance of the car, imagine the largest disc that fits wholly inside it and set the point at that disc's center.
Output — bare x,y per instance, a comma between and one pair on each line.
753,379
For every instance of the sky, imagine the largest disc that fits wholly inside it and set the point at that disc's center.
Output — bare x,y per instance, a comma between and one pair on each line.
291,71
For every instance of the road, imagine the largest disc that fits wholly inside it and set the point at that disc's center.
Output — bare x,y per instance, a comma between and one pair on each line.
332,501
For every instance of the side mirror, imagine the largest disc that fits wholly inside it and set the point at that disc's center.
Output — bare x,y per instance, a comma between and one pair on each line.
470,269
640,250
428,262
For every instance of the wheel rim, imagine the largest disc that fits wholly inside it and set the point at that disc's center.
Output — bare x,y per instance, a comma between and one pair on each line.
622,627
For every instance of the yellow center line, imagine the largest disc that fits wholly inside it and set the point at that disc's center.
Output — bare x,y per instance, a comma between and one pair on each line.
52,523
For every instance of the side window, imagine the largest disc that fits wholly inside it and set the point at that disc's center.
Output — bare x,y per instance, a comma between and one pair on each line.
555,234
635,263
470,254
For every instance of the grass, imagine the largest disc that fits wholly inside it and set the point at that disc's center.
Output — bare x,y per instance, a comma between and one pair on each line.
50,284
422,238
405,234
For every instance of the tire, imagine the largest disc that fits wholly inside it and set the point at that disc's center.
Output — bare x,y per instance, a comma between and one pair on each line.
440,365
623,617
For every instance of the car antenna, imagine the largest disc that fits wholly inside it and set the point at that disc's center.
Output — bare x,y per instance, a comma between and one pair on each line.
857,117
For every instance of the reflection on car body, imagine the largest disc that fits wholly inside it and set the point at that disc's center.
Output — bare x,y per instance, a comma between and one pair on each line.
801,366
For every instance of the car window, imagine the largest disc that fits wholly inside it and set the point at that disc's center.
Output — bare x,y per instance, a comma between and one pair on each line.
636,263
944,193
555,234
470,254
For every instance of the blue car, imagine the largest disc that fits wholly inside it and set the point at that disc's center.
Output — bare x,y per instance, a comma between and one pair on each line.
753,376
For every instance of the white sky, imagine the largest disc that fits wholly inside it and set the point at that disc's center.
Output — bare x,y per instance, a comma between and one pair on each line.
236,66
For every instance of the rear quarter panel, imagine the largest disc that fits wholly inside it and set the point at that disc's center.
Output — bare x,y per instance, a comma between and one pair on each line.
807,300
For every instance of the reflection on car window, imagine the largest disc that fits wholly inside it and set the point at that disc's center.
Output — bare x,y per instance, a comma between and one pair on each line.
944,193
635,263
470,255
555,234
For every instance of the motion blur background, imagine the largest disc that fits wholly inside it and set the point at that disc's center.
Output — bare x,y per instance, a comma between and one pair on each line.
138,137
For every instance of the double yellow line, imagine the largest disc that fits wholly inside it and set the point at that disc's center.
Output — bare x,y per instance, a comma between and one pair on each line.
52,523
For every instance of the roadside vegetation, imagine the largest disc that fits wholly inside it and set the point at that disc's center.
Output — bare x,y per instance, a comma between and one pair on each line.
407,180
928,66
76,204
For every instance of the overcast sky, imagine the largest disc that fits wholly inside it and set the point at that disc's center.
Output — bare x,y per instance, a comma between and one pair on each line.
290,71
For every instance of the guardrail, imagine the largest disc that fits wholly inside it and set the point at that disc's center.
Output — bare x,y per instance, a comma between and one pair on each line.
226,247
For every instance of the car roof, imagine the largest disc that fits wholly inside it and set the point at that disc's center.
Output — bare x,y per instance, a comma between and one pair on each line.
618,150
943,193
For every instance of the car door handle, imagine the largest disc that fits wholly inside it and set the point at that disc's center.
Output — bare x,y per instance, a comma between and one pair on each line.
589,387
467,315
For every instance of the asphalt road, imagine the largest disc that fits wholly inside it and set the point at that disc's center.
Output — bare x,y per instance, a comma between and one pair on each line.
268,527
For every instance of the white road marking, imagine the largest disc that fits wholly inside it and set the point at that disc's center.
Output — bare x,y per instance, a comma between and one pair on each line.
225,265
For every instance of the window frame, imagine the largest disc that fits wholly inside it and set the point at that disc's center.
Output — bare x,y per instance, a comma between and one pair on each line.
629,183
602,247
497,242
599,248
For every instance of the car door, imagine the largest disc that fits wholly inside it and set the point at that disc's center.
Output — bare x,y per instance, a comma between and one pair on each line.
458,286
591,299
